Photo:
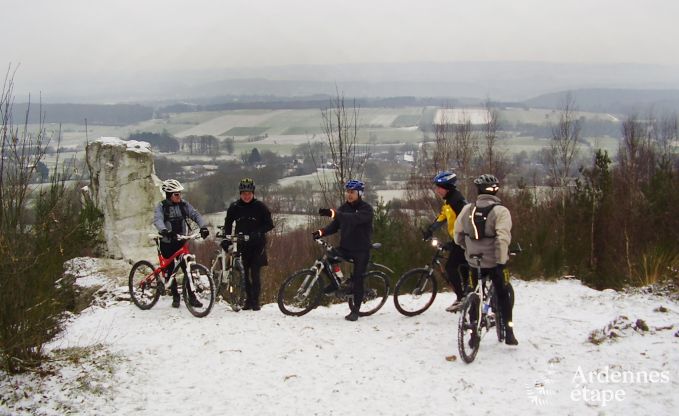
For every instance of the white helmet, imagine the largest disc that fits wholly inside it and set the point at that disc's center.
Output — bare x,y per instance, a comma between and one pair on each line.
172,185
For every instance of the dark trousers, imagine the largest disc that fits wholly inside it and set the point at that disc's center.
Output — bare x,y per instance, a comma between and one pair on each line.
498,278
457,270
167,250
360,259
253,283
253,260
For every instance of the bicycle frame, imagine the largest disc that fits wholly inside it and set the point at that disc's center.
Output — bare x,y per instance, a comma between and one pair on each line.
231,259
321,264
435,261
183,254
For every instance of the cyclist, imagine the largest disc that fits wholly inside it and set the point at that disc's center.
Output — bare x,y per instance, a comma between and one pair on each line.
484,227
355,219
170,218
453,202
253,218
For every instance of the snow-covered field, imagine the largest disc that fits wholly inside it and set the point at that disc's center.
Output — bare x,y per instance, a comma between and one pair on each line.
164,361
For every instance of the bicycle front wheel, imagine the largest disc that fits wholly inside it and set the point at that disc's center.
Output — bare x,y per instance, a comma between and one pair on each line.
200,302
233,289
144,285
375,293
300,293
468,330
415,292
217,275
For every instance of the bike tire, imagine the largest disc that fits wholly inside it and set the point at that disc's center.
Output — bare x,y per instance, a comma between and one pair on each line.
217,275
233,290
415,292
300,293
467,327
205,290
375,293
144,285
377,267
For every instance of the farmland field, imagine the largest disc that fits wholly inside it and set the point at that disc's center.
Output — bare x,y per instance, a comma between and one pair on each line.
281,130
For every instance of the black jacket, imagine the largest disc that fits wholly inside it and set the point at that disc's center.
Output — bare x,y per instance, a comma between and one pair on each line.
455,199
253,219
356,222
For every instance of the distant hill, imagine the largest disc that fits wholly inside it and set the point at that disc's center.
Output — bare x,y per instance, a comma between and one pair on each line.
500,80
109,115
608,100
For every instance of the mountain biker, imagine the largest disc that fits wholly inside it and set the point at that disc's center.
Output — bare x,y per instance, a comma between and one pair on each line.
170,218
253,218
489,234
355,220
453,202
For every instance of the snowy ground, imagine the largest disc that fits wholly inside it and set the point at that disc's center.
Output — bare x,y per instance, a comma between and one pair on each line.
164,361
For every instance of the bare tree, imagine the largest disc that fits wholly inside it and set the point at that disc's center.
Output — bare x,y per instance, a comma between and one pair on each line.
20,155
465,147
563,147
636,166
492,159
442,143
340,126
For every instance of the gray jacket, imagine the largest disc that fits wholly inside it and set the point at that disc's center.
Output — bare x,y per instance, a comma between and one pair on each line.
175,220
495,250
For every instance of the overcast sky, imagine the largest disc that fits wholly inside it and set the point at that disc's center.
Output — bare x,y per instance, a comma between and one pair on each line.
50,37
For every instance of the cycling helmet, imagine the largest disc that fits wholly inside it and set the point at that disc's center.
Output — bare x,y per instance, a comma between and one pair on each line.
487,184
355,185
246,185
171,185
445,180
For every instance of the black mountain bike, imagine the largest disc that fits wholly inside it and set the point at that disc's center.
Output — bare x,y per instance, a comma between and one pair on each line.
302,291
416,289
481,302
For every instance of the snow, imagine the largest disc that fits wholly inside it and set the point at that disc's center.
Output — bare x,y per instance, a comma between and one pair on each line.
130,145
164,361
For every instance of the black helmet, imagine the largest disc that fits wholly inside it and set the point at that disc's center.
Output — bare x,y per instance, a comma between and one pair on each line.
246,185
487,184
445,180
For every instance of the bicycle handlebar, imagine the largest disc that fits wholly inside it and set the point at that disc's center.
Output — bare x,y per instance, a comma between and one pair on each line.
373,246
235,238
179,237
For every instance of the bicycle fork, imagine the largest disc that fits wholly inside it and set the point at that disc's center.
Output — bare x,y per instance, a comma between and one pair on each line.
309,281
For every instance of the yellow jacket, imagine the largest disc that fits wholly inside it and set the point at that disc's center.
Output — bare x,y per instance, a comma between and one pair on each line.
452,205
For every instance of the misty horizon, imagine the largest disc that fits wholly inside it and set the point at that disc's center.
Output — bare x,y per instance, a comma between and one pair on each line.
125,50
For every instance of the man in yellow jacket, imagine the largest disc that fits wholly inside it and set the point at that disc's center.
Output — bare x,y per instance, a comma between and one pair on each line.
453,202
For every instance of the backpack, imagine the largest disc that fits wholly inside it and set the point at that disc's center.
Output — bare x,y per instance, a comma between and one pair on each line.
479,216
182,207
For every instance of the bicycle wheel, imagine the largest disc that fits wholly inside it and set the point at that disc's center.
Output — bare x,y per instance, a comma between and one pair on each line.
300,293
415,292
375,293
468,330
233,289
216,270
144,285
204,286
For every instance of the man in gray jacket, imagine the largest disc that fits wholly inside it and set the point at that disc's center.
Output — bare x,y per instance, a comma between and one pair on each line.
484,227
170,218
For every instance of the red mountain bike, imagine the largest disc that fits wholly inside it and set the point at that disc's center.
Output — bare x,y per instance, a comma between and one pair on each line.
147,283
